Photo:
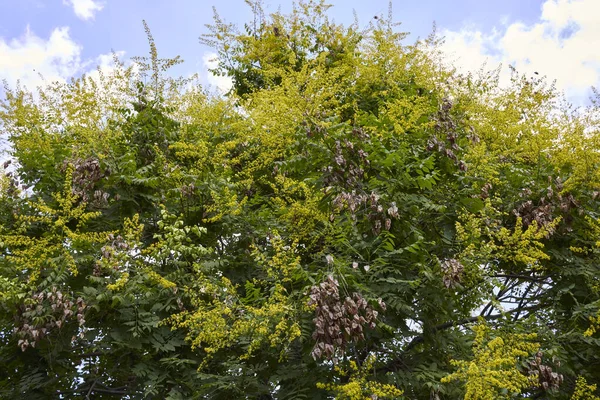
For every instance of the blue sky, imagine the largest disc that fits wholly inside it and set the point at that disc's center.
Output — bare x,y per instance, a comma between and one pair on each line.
61,38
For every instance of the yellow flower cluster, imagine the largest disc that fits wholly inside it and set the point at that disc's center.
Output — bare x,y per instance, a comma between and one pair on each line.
224,203
120,283
583,391
523,246
284,260
220,318
156,278
196,152
358,387
594,326
298,204
407,114
54,249
494,371
208,327
484,237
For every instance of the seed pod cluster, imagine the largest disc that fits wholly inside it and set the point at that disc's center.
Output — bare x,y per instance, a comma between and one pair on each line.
346,173
312,128
378,215
86,172
446,125
43,312
348,163
548,380
337,322
452,271
348,167
542,211
109,252
188,190
12,181
117,243
100,199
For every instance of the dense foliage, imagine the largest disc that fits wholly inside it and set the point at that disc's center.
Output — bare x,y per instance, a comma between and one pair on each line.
354,220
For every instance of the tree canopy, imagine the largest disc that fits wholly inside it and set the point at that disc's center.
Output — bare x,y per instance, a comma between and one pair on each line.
355,219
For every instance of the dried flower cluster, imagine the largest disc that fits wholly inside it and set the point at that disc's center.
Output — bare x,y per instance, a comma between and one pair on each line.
44,311
117,243
312,128
338,323
445,124
377,214
452,271
86,172
548,380
188,190
12,181
349,163
347,173
543,212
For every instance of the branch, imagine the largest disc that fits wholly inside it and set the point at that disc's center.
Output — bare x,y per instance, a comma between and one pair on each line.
489,306
389,367
87,396
91,354
541,279
93,389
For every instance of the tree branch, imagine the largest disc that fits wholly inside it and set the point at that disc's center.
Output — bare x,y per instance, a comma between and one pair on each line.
541,279
93,389
87,396
389,367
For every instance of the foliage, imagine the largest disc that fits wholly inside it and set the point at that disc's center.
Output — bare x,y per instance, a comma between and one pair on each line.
583,391
357,387
355,219
493,373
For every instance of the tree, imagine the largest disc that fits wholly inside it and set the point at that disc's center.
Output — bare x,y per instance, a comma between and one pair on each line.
355,219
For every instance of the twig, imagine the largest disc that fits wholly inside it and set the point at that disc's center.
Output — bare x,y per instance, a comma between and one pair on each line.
446,325
87,396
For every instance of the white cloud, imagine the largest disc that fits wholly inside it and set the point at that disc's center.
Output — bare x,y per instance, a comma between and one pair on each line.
35,61
222,83
85,9
469,49
104,63
28,57
561,45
